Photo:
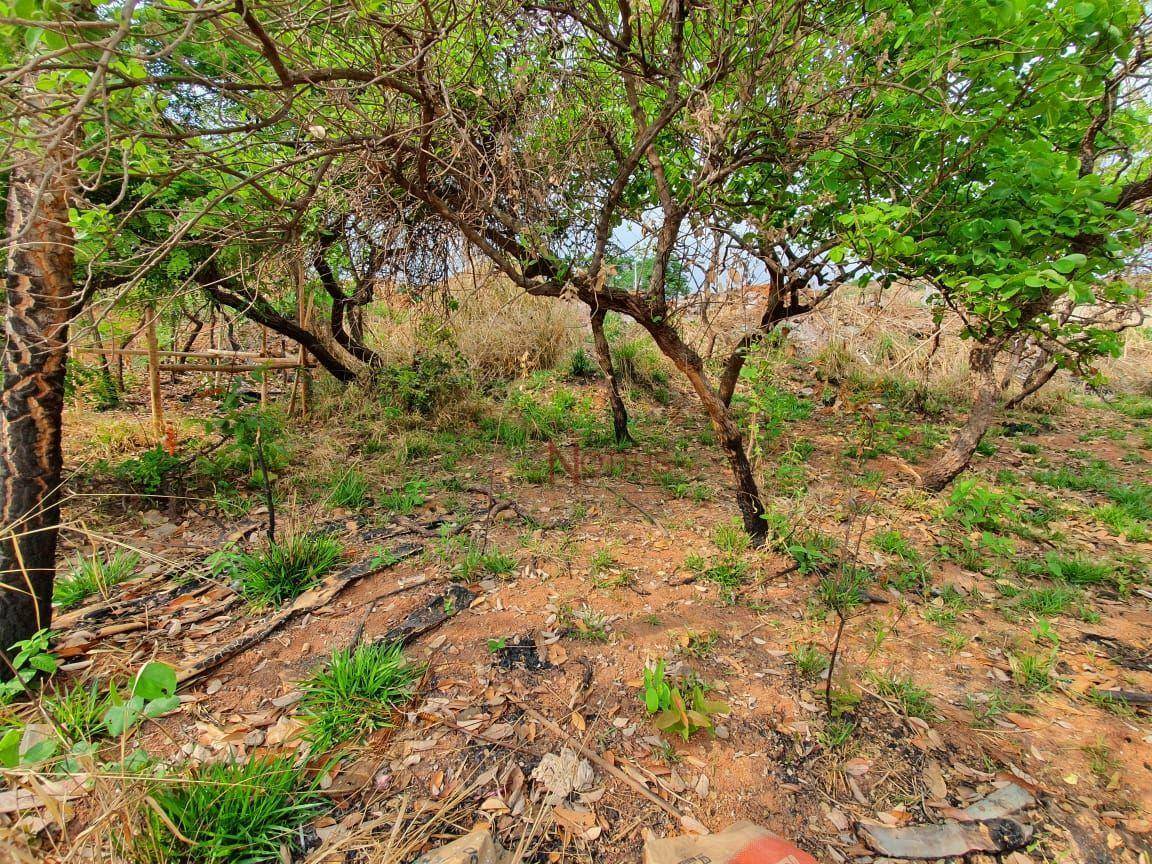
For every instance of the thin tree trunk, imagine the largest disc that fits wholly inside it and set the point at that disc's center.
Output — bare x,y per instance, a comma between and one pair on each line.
155,396
611,385
985,400
728,433
39,305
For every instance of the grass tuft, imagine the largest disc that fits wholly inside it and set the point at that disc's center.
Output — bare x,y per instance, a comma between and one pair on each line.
229,813
95,574
281,571
356,693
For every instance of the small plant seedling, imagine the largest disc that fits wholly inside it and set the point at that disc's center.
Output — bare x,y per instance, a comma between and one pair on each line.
497,645
356,693
153,694
677,712
28,658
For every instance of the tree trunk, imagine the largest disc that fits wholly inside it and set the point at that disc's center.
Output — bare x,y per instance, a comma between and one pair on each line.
259,311
731,441
986,399
611,385
38,307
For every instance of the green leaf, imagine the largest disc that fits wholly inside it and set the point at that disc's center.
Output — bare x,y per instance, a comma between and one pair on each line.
156,680
1070,262
10,748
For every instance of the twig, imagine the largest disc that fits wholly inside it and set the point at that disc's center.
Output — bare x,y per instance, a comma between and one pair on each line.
594,757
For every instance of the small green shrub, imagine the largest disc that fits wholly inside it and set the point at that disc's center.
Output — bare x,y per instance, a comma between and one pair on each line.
581,366
678,712
978,506
356,693
280,571
94,574
229,813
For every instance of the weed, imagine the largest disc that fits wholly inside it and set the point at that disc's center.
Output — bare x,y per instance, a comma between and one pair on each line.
731,539
812,552
407,498
1043,631
28,658
678,712
356,693
282,570
584,623
699,645
94,574
954,641
1032,672
912,699
946,607
844,590
1028,447
727,574
78,711
986,707
581,366
894,543
349,490
978,506
836,732
1071,569
1101,760
1111,704
1048,602
221,813
810,660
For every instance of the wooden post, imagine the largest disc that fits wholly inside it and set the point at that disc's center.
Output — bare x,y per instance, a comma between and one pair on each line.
154,373
264,375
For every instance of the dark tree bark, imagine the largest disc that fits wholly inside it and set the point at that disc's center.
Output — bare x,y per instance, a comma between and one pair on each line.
258,310
346,329
611,385
39,305
987,392
728,433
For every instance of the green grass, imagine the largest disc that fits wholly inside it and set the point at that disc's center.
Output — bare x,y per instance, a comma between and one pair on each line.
406,498
912,699
894,543
78,711
94,574
727,574
356,693
1047,602
1074,569
731,539
280,571
1133,405
1032,672
350,490
810,660
229,813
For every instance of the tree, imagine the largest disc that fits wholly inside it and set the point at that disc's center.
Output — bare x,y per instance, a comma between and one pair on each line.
1014,201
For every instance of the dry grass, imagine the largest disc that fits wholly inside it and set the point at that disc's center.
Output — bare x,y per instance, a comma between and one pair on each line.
500,331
